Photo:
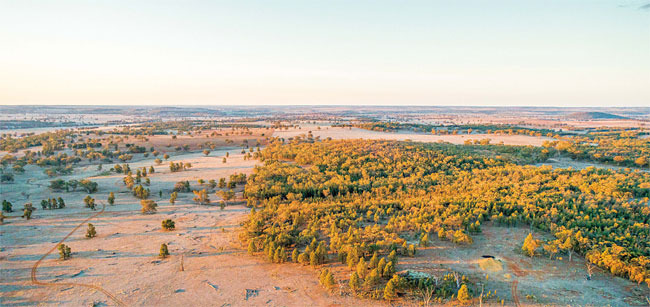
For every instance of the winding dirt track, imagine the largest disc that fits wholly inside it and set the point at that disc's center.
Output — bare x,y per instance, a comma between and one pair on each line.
51,284
515,297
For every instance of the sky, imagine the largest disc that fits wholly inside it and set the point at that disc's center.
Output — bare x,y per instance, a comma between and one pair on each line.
330,52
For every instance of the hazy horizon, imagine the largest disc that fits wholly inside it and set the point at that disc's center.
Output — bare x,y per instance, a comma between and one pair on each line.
308,53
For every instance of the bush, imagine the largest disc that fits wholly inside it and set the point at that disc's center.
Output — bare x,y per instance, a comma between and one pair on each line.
168,224
6,206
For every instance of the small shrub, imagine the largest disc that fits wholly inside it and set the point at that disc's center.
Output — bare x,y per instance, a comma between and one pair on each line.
168,224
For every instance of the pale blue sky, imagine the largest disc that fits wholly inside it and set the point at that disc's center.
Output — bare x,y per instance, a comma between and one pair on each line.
456,52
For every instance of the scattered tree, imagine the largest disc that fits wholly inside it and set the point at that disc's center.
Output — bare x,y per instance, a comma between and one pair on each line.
91,232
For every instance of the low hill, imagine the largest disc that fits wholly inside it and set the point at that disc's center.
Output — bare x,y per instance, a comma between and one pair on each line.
594,115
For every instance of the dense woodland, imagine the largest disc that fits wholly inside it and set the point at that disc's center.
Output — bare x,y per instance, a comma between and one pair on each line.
340,198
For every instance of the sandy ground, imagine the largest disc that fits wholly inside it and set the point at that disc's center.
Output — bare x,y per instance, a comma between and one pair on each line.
356,133
123,260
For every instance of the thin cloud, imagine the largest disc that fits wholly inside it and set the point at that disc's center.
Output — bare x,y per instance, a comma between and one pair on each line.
645,7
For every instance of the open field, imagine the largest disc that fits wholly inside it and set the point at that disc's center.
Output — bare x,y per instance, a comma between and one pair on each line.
356,133
123,257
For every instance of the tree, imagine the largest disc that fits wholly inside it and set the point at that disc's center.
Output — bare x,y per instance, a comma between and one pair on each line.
303,258
164,252
551,248
58,184
251,248
206,152
568,246
90,202
463,294
226,195
362,268
390,291
381,265
329,282
530,245
201,197
424,240
89,186
64,252
294,255
355,282
111,198
389,270
460,237
27,211
91,233
168,224
172,198
374,261
372,279
148,206
313,259
182,186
